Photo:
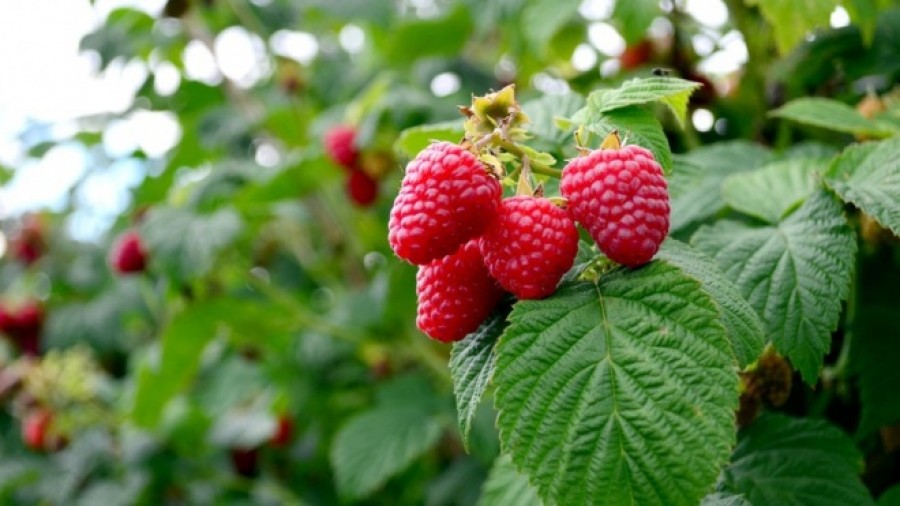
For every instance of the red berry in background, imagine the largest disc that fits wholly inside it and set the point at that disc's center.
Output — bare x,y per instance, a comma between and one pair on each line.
284,432
27,245
446,198
245,461
35,429
620,196
636,55
340,145
455,294
128,253
529,246
23,325
361,188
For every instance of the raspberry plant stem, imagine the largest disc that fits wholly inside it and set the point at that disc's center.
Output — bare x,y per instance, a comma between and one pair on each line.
534,165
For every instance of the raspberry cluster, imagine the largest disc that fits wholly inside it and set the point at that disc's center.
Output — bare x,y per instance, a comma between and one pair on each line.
361,171
471,246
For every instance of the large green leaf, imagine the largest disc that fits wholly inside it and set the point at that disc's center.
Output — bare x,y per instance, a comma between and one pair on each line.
472,366
635,124
868,176
830,114
415,139
792,19
185,244
723,499
891,497
379,443
506,486
795,274
745,329
696,184
671,91
619,392
795,462
777,188
443,36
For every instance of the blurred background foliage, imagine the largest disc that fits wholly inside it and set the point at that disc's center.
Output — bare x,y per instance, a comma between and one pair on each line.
272,304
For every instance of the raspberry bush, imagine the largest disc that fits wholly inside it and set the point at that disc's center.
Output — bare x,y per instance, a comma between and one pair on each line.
464,253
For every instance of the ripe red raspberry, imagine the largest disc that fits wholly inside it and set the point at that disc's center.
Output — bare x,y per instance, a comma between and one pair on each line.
620,197
128,254
456,293
23,325
28,244
340,145
446,198
529,246
361,188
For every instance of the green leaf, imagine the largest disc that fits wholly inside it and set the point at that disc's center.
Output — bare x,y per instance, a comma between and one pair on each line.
795,274
506,486
672,91
695,188
415,139
634,17
443,36
185,244
621,392
868,176
379,443
542,19
543,113
769,193
636,125
745,329
472,366
795,462
864,14
873,359
723,499
830,114
183,341
792,19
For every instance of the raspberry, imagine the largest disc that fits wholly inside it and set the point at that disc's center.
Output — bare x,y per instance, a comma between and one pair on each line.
23,326
529,246
446,198
128,254
283,433
456,293
340,145
620,197
361,188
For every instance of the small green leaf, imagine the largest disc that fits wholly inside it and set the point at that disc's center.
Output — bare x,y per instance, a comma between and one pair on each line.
830,114
696,184
795,462
868,176
745,329
795,274
378,444
413,140
506,486
777,188
637,126
472,366
792,19
891,497
618,393
672,91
